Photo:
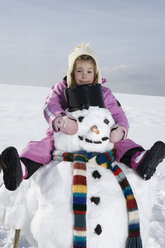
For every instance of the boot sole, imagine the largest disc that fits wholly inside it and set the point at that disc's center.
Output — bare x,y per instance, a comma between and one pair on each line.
151,160
12,172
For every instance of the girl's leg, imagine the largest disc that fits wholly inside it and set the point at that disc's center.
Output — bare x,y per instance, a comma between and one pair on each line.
125,149
144,162
15,167
40,151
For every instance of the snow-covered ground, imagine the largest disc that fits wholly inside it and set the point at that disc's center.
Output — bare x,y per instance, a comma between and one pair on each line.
21,109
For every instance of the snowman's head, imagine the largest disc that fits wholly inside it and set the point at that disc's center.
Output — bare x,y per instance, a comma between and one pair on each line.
93,133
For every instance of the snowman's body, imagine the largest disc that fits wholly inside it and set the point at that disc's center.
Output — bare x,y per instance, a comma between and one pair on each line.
48,222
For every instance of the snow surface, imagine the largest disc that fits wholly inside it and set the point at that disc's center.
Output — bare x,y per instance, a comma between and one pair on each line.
22,120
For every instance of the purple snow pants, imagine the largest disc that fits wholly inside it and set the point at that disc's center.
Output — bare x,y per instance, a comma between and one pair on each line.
40,151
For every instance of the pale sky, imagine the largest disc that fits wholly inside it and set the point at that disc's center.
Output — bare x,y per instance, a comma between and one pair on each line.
36,37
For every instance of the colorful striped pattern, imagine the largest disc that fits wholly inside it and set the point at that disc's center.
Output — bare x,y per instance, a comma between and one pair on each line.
79,199
105,160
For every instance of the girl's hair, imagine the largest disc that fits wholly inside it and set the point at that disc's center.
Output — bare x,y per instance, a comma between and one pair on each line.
86,58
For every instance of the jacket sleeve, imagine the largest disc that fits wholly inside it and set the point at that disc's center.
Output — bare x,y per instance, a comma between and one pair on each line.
55,103
115,108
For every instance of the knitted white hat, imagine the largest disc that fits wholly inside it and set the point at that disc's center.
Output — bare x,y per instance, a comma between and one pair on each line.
83,49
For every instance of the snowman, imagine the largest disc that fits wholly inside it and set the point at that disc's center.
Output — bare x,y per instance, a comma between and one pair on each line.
46,202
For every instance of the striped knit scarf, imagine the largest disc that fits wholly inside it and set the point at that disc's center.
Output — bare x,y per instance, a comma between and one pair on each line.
106,160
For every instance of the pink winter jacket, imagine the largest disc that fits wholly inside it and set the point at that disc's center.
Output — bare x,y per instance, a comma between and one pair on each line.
56,104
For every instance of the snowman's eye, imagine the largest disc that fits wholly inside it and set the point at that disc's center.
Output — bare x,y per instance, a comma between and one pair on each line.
106,121
80,118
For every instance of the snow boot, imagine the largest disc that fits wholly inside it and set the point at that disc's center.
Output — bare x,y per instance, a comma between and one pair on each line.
145,162
11,166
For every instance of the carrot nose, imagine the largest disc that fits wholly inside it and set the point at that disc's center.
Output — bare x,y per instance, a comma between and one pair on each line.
95,129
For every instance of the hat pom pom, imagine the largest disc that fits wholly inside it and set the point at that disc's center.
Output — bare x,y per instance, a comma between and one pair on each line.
134,242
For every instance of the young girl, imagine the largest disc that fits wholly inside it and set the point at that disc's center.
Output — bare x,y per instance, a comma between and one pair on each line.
83,69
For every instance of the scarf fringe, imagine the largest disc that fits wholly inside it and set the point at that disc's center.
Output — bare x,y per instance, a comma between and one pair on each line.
134,242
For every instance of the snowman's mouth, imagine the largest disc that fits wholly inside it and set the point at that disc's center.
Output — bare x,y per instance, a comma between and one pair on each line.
94,142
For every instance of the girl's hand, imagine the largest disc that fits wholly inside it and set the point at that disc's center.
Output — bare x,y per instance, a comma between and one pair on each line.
65,124
117,133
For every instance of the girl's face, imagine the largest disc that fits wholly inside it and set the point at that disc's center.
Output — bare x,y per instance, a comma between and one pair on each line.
84,72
